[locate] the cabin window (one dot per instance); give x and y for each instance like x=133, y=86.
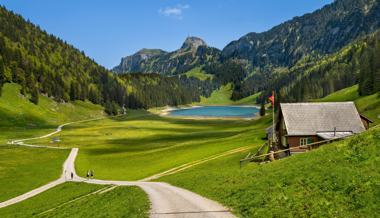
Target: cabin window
x=306, y=141
x=309, y=140
x=303, y=141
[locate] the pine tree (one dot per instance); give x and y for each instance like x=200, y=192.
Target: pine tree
x=73, y=92
x=365, y=80
x=108, y=108
x=1, y=74
x=376, y=68
x=34, y=95
x=262, y=109
x=115, y=108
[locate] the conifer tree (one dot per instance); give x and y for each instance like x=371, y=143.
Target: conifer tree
x=34, y=95
x=262, y=109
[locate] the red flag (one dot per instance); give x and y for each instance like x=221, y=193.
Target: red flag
x=271, y=98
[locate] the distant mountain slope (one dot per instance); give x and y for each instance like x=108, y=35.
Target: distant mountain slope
x=321, y=32
x=134, y=63
x=194, y=52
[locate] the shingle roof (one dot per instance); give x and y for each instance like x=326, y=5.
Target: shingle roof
x=310, y=118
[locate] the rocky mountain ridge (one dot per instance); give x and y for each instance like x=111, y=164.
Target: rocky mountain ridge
x=193, y=52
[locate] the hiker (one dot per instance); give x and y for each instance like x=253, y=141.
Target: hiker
x=87, y=174
x=91, y=173
x=72, y=175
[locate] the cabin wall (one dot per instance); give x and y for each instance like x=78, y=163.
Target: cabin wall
x=294, y=141
x=281, y=132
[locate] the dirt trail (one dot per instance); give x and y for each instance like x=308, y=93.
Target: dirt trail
x=166, y=200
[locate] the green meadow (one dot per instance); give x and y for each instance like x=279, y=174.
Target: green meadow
x=23, y=169
x=198, y=73
x=82, y=200
x=336, y=180
x=219, y=97
x=142, y=144
x=19, y=118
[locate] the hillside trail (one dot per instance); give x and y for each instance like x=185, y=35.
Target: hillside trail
x=167, y=201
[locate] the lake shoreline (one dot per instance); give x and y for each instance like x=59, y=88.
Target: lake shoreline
x=167, y=113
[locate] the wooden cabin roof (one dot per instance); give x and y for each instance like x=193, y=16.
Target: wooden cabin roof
x=311, y=118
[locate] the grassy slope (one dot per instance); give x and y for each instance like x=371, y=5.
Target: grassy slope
x=20, y=118
x=219, y=97
x=347, y=94
x=337, y=180
x=197, y=72
x=22, y=169
x=121, y=148
x=222, y=96
x=119, y=202
x=367, y=105
x=250, y=100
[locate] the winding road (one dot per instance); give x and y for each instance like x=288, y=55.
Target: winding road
x=167, y=201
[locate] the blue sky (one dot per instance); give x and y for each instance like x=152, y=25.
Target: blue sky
x=110, y=29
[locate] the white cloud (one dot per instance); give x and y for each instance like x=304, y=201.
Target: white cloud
x=175, y=12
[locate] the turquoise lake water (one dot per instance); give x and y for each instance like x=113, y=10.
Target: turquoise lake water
x=217, y=111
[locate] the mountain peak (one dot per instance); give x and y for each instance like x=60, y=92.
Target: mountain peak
x=193, y=42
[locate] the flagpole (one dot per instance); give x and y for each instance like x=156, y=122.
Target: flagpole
x=273, y=127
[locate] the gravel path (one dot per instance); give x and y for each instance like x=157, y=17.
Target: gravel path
x=167, y=201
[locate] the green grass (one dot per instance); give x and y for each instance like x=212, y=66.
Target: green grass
x=20, y=118
x=23, y=169
x=367, y=105
x=76, y=200
x=120, y=148
x=336, y=180
x=250, y=100
x=222, y=96
x=198, y=73
x=347, y=94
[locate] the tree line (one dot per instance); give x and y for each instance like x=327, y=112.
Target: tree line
x=154, y=90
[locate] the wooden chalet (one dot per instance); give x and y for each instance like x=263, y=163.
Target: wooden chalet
x=300, y=124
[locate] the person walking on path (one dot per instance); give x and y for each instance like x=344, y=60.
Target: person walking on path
x=72, y=175
x=88, y=174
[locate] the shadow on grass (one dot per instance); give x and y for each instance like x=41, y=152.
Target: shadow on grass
x=10, y=119
x=156, y=142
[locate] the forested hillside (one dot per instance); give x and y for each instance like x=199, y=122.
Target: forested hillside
x=316, y=77
x=154, y=90
x=43, y=63
x=357, y=63
x=40, y=62
x=312, y=78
